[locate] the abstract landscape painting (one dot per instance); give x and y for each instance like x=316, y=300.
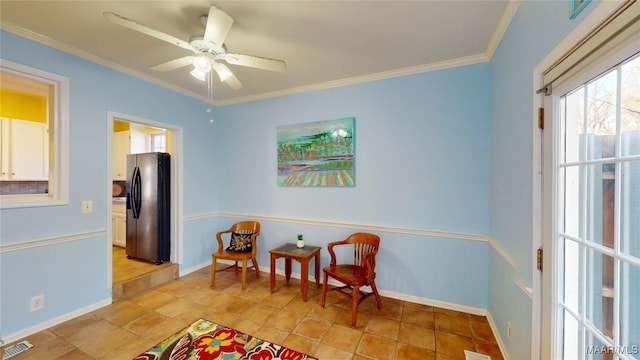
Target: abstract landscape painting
x=317, y=154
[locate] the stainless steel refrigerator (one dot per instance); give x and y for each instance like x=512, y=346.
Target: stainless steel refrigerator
x=149, y=207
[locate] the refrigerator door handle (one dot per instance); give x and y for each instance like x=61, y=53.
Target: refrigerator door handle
x=132, y=198
x=135, y=193
x=138, y=193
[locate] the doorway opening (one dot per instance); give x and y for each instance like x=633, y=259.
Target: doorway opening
x=133, y=135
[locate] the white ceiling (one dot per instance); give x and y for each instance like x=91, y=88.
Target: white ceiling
x=324, y=43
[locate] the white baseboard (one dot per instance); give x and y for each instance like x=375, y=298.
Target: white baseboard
x=390, y=294
x=56, y=321
x=190, y=270
x=404, y=297
x=496, y=334
x=435, y=303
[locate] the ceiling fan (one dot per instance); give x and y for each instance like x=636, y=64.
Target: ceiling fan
x=209, y=48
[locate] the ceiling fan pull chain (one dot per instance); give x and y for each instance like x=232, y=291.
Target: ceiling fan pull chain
x=210, y=93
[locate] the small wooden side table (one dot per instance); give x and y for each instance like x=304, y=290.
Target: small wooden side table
x=290, y=251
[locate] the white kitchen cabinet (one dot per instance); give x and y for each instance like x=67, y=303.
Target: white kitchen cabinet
x=24, y=150
x=119, y=223
x=132, y=141
x=121, y=148
x=138, y=142
x=5, y=168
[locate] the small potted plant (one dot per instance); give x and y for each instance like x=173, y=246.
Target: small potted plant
x=300, y=242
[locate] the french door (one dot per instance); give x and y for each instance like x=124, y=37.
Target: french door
x=594, y=178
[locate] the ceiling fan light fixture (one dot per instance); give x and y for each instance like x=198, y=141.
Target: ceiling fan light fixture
x=224, y=73
x=202, y=63
x=201, y=67
x=198, y=74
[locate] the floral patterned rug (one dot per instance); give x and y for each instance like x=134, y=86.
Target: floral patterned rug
x=207, y=340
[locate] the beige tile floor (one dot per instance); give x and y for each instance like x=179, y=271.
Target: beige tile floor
x=401, y=330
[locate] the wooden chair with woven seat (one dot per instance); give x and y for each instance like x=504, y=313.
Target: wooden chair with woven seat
x=242, y=248
x=354, y=276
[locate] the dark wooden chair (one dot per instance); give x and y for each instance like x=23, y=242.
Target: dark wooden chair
x=354, y=276
x=243, y=229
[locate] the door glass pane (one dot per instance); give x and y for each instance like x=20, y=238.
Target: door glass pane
x=599, y=291
x=600, y=194
x=571, y=335
x=571, y=275
x=595, y=349
x=573, y=206
x=608, y=204
x=630, y=208
x=572, y=108
x=630, y=108
x=601, y=116
x=630, y=309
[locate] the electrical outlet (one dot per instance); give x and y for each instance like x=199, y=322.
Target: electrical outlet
x=37, y=303
x=87, y=207
x=509, y=330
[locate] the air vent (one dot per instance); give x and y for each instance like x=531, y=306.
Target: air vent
x=470, y=355
x=15, y=349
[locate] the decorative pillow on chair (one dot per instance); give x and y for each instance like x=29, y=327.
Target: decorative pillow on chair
x=240, y=242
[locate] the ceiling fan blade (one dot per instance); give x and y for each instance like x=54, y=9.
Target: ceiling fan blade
x=256, y=62
x=133, y=25
x=218, y=26
x=234, y=82
x=226, y=75
x=174, y=64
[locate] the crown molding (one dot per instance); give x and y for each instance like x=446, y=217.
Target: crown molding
x=45, y=40
x=503, y=25
x=412, y=70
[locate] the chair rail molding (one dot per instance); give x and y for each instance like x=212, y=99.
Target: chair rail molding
x=29, y=244
x=337, y=224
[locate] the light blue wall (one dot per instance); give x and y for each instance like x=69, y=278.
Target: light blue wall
x=421, y=153
x=536, y=29
x=421, y=163
x=73, y=275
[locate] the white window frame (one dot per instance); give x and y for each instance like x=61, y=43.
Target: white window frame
x=59, y=143
x=153, y=135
